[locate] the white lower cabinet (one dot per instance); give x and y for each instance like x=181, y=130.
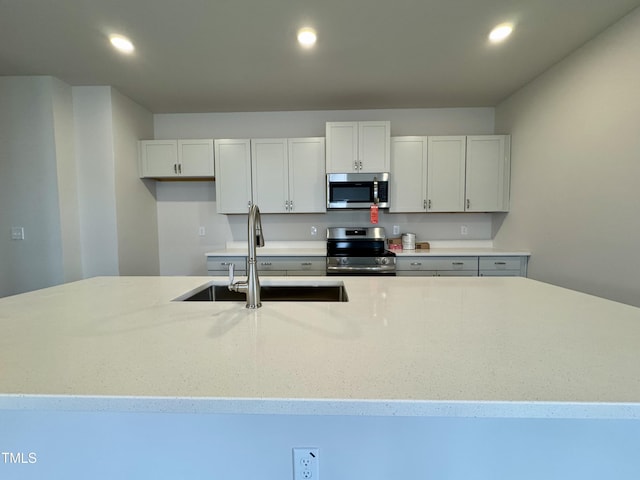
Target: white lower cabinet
x=299, y=265
x=510, y=266
x=437, y=266
x=268, y=265
x=484, y=266
x=219, y=266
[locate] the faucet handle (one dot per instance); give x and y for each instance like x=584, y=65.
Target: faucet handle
x=231, y=274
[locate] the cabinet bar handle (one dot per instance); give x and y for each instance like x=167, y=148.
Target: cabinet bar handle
x=499, y=263
x=429, y=205
x=175, y=168
x=457, y=263
x=468, y=203
x=265, y=263
x=416, y=264
x=306, y=264
x=179, y=168
x=360, y=164
x=355, y=165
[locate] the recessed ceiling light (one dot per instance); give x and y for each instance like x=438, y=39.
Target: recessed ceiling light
x=121, y=43
x=307, y=37
x=500, y=32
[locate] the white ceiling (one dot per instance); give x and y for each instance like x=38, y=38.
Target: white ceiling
x=241, y=55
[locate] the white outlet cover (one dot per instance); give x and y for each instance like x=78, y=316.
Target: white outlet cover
x=17, y=233
x=306, y=463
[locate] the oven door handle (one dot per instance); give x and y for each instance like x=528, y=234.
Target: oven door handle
x=376, y=198
x=376, y=268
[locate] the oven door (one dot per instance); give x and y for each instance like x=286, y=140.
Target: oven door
x=371, y=266
x=357, y=190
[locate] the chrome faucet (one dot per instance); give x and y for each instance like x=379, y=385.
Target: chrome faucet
x=251, y=287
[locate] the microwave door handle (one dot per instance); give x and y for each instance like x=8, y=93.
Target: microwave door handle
x=376, y=199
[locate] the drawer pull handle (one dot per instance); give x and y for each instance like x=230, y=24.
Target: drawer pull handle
x=457, y=263
x=226, y=264
x=306, y=264
x=266, y=264
x=499, y=263
x=416, y=264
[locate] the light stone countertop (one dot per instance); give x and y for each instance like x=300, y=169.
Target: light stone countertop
x=500, y=346
x=318, y=249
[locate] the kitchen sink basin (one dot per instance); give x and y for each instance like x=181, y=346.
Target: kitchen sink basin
x=274, y=293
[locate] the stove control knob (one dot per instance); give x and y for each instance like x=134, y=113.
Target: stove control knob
x=382, y=261
x=343, y=261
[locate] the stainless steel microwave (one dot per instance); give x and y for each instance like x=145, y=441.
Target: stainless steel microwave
x=357, y=190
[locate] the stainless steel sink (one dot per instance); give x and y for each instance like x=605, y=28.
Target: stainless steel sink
x=274, y=293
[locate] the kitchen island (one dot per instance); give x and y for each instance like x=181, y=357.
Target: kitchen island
x=415, y=348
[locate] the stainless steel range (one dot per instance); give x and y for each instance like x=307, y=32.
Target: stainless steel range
x=358, y=251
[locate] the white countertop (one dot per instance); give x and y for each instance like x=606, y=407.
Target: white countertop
x=319, y=249
x=400, y=346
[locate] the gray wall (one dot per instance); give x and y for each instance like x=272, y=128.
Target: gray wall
x=134, y=198
x=69, y=177
x=576, y=168
x=185, y=206
x=35, y=153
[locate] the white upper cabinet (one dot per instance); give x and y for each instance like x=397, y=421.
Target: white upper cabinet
x=270, y=174
x=176, y=158
x=488, y=173
x=450, y=174
x=358, y=147
x=195, y=158
x=445, y=174
x=307, y=175
x=408, y=177
x=288, y=175
x=279, y=175
x=233, y=179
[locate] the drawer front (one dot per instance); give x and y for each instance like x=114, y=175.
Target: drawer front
x=292, y=263
x=500, y=263
x=437, y=263
x=222, y=264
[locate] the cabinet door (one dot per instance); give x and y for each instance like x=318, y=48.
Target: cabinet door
x=374, y=147
x=158, y=158
x=488, y=173
x=233, y=175
x=195, y=158
x=269, y=173
x=408, y=174
x=342, y=147
x=307, y=179
x=445, y=174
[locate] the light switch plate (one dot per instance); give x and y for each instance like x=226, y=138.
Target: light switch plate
x=17, y=233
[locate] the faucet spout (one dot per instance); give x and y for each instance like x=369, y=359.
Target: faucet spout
x=251, y=287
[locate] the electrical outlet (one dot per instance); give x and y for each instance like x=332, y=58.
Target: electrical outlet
x=314, y=231
x=17, y=233
x=464, y=230
x=202, y=231
x=306, y=463
x=396, y=229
